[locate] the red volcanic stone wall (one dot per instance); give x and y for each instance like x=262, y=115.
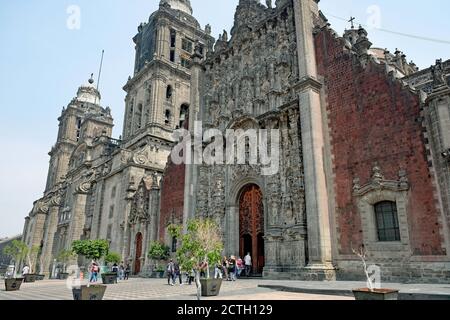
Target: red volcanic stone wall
x=172, y=196
x=373, y=121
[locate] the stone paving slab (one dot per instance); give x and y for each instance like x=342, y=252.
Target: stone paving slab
x=344, y=288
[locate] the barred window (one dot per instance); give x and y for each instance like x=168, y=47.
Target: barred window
x=387, y=221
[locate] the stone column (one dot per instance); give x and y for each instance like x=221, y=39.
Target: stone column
x=47, y=250
x=154, y=213
x=308, y=88
x=127, y=246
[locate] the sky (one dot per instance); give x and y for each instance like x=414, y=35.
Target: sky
x=48, y=48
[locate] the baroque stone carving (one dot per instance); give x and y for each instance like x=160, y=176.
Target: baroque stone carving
x=378, y=182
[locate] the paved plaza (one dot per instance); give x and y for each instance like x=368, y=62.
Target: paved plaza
x=157, y=289
x=258, y=289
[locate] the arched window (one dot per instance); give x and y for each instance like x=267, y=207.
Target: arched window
x=169, y=92
x=174, y=244
x=167, y=116
x=388, y=229
x=184, y=112
x=139, y=116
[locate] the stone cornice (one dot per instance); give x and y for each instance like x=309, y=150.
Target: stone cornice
x=307, y=83
x=154, y=64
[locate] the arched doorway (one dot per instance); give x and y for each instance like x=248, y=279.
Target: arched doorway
x=251, y=226
x=137, y=260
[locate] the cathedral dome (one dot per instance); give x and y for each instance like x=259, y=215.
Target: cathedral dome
x=182, y=5
x=88, y=92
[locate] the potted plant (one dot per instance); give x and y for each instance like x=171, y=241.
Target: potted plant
x=111, y=277
x=64, y=257
x=92, y=250
x=158, y=252
x=16, y=252
x=202, y=243
x=371, y=293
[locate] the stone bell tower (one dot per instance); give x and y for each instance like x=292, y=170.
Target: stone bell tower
x=158, y=94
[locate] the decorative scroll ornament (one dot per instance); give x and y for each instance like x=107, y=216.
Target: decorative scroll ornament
x=86, y=185
x=378, y=182
x=42, y=207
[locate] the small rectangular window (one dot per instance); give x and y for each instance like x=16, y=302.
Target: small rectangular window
x=172, y=55
x=113, y=192
x=186, y=45
x=111, y=212
x=185, y=63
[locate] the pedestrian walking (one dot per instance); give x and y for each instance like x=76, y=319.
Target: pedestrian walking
x=127, y=271
x=177, y=273
x=121, y=271
x=94, y=269
x=170, y=273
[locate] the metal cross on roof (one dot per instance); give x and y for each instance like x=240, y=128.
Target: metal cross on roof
x=352, y=19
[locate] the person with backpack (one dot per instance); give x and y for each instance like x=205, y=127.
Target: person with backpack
x=94, y=269
x=115, y=269
x=177, y=274
x=170, y=273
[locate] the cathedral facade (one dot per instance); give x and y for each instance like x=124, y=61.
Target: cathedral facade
x=364, y=149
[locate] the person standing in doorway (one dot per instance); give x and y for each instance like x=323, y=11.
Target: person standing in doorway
x=248, y=264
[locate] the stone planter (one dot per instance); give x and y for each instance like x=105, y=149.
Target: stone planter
x=40, y=277
x=210, y=287
x=63, y=276
x=13, y=284
x=376, y=294
x=109, y=278
x=89, y=293
x=28, y=278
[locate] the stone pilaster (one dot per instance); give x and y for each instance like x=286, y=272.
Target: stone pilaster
x=48, y=240
x=78, y=217
x=319, y=236
x=191, y=176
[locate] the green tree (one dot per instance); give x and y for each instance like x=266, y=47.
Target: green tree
x=91, y=249
x=19, y=251
x=113, y=257
x=202, y=243
x=158, y=252
x=64, y=257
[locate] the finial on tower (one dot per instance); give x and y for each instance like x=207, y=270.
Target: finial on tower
x=91, y=80
x=352, y=19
